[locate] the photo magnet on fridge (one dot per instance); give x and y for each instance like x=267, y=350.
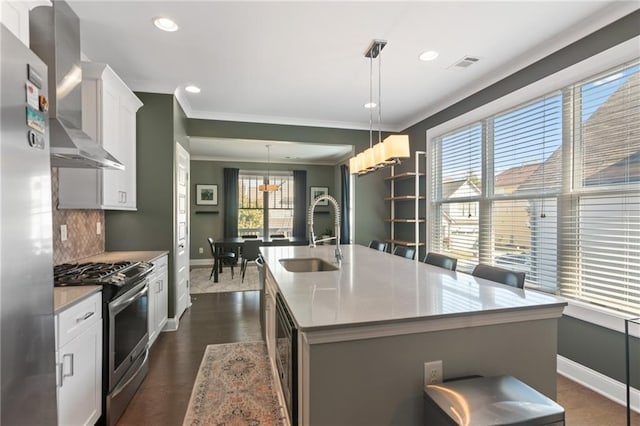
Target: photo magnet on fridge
x=32, y=95
x=35, y=120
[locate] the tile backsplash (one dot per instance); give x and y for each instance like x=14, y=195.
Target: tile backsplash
x=82, y=238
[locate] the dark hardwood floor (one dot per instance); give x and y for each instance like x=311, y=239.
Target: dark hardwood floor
x=233, y=317
x=175, y=357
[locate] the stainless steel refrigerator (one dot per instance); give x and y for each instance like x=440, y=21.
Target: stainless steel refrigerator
x=27, y=352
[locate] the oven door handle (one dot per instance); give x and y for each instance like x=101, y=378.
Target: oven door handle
x=125, y=302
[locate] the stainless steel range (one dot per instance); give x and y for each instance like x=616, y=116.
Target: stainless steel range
x=125, y=330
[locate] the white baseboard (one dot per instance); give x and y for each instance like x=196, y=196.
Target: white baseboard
x=201, y=262
x=598, y=382
x=171, y=325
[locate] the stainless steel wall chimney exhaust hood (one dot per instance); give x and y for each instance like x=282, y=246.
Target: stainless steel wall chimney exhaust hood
x=55, y=37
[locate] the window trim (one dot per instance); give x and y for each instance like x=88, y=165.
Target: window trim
x=583, y=70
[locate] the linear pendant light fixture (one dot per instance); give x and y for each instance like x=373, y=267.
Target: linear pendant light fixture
x=394, y=147
x=268, y=187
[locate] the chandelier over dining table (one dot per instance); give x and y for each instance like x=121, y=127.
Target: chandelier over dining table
x=268, y=186
x=385, y=152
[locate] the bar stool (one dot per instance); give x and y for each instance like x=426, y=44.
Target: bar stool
x=441, y=260
x=378, y=245
x=403, y=251
x=500, y=275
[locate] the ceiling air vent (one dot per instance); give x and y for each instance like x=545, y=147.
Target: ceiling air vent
x=465, y=62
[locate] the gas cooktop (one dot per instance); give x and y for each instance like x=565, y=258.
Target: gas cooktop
x=98, y=273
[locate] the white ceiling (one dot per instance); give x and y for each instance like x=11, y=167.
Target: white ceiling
x=302, y=62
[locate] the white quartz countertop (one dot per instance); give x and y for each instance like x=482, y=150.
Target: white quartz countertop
x=375, y=287
x=65, y=297
x=120, y=256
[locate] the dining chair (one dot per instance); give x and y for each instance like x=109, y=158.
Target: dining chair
x=277, y=236
x=225, y=257
x=500, y=275
x=250, y=252
x=403, y=251
x=378, y=245
x=441, y=260
x=280, y=242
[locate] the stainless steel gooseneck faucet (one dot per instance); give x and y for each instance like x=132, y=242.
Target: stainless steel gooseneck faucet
x=312, y=237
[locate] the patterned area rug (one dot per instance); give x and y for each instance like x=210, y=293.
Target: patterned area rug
x=200, y=282
x=234, y=387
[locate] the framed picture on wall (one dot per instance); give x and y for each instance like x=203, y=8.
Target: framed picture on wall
x=317, y=191
x=206, y=195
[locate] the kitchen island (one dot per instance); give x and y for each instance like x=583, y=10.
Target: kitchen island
x=366, y=330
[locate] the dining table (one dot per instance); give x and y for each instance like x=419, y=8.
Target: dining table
x=235, y=244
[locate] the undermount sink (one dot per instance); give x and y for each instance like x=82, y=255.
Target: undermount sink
x=311, y=264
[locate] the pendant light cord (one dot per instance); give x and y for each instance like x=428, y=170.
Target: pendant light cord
x=371, y=101
x=379, y=92
x=268, y=164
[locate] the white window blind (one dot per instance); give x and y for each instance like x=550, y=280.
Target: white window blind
x=527, y=148
x=525, y=239
x=603, y=223
x=527, y=176
x=456, y=174
x=459, y=165
x=605, y=267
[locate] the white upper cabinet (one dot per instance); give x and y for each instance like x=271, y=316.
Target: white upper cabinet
x=15, y=16
x=109, y=116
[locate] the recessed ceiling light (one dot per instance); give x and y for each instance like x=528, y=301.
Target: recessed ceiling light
x=165, y=24
x=370, y=105
x=192, y=89
x=429, y=55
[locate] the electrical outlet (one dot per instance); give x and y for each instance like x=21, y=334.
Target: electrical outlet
x=432, y=372
x=63, y=232
x=98, y=228
x=200, y=250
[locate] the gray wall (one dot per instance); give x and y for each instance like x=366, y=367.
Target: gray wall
x=371, y=382
x=598, y=348
x=206, y=224
x=151, y=226
x=578, y=341
x=369, y=190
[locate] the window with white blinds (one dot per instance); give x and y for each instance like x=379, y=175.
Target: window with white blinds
x=527, y=146
x=603, y=220
x=261, y=213
x=456, y=173
x=557, y=194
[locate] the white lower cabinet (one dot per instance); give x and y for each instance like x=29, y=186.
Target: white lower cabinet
x=158, y=298
x=79, y=362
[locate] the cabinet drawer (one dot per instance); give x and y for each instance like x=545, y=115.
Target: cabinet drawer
x=160, y=264
x=73, y=321
x=159, y=268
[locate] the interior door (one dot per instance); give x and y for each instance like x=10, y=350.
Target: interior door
x=181, y=237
